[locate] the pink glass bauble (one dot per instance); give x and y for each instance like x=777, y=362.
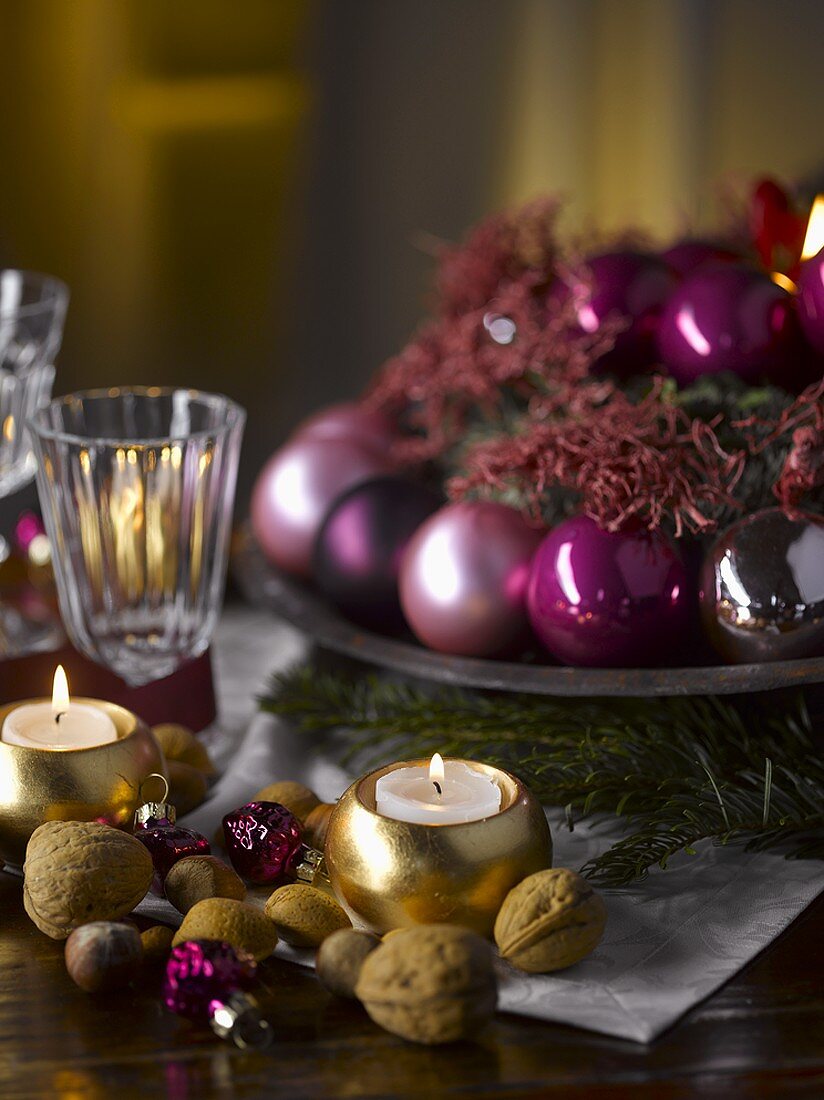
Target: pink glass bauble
x=608, y=599
x=728, y=317
x=632, y=286
x=811, y=300
x=349, y=420
x=463, y=579
x=263, y=840
x=688, y=255
x=167, y=843
x=202, y=974
x=295, y=489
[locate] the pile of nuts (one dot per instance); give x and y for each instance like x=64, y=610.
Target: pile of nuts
x=426, y=983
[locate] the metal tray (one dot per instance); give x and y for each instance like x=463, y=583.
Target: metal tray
x=261, y=583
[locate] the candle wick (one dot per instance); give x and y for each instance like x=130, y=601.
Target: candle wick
x=60, y=714
x=437, y=787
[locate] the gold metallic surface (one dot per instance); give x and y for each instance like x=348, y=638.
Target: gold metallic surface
x=100, y=783
x=391, y=874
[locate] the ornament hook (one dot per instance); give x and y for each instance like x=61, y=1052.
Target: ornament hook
x=155, y=775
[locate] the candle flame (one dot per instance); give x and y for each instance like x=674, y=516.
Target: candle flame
x=60, y=692
x=814, y=240
x=436, y=772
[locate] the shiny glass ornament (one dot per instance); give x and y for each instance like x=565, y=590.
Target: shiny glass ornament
x=728, y=317
x=167, y=842
x=263, y=841
x=762, y=588
x=463, y=579
x=360, y=546
x=295, y=489
x=811, y=300
x=688, y=255
x=608, y=599
x=349, y=420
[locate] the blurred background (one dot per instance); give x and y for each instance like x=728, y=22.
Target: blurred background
x=239, y=193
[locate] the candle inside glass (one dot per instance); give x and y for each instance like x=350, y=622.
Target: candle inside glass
x=60, y=724
x=447, y=792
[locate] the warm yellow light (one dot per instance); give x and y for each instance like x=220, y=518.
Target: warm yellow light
x=784, y=281
x=60, y=692
x=814, y=239
x=436, y=772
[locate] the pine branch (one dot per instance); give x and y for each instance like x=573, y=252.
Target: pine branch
x=678, y=770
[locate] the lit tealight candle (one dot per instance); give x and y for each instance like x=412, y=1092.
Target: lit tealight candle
x=445, y=793
x=59, y=724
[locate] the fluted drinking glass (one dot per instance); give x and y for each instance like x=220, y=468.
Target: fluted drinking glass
x=137, y=487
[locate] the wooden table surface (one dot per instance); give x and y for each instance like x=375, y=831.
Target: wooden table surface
x=762, y=1035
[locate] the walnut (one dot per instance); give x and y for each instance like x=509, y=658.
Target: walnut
x=340, y=958
x=304, y=916
x=80, y=871
x=197, y=877
x=298, y=799
x=234, y=922
x=432, y=983
x=103, y=955
x=549, y=921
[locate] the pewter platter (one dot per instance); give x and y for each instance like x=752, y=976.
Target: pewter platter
x=262, y=584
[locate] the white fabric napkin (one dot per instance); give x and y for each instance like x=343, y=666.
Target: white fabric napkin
x=670, y=941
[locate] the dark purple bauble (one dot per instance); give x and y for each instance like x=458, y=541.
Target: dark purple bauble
x=295, y=488
x=203, y=973
x=463, y=579
x=349, y=420
x=608, y=599
x=359, y=548
x=263, y=840
x=688, y=255
x=629, y=285
x=811, y=300
x=167, y=843
x=728, y=317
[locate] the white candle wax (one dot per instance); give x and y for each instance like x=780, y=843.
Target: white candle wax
x=59, y=724
x=411, y=794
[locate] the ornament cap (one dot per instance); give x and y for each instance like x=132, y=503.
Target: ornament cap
x=238, y=1019
x=312, y=870
x=155, y=811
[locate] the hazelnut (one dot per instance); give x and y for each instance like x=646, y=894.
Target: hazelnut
x=298, y=799
x=317, y=823
x=549, y=921
x=340, y=958
x=197, y=877
x=103, y=955
x=157, y=941
x=232, y=921
x=304, y=916
x=187, y=786
x=180, y=744
x=432, y=983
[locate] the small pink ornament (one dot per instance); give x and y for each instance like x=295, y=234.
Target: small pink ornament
x=351, y=421
x=295, y=489
x=263, y=840
x=155, y=828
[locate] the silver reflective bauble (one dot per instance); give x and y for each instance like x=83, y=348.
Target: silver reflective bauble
x=762, y=588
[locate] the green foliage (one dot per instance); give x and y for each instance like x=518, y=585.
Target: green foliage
x=677, y=770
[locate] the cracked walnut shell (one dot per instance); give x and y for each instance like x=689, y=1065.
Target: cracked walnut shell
x=549, y=921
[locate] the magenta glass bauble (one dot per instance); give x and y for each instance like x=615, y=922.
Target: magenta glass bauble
x=349, y=420
x=263, y=841
x=728, y=317
x=811, y=300
x=295, y=488
x=360, y=545
x=201, y=974
x=629, y=285
x=688, y=255
x=167, y=843
x=608, y=599
x=463, y=579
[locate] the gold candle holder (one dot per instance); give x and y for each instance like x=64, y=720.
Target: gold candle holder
x=98, y=783
x=392, y=874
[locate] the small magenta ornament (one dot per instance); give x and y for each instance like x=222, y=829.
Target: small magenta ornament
x=264, y=841
x=167, y=842
x=207, y=981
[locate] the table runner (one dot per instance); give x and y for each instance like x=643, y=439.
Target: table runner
x=670, y=941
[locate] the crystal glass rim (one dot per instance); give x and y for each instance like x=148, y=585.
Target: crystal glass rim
x=235, y=415
x=56, y=291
